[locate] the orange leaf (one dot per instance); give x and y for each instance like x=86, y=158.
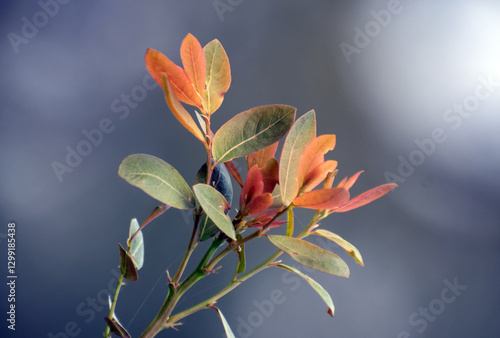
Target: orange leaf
x=193, y=60
x=157, y=63
x=261, y=157
x=179, y=111
x=259, y=204
x=318, y=175
x=319, y=146
x=322, y=199
x=366, y=197
x=231, y=167
x=348, y=183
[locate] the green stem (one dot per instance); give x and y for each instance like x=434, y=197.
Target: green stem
x=175, y=293
x=192, y=245
x=113, y=303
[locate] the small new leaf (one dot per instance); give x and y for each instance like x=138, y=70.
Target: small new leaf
x=127, y=265
x=136, y=247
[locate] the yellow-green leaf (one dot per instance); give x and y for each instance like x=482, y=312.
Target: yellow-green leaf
x=214, y=205
x=251, y=131
x=158, y=179
x=351, y=249
x=227, y=328
x=315, y=285
x=301, y=134
x=311, y=255
x=218, y=75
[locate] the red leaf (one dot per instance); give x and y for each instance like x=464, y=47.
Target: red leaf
x=157, y=63
x=258, y=204
x=231, y=167
x=270, y=175
x=322, y=199
x=366, y=197
x=193, y=60
x=253, y=186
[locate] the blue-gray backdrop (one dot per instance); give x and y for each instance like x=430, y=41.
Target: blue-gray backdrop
x=410, y=88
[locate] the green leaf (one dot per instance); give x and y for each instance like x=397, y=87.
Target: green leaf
x=251, y=131
x=218, y=75
x=127, y=266
x=158, y=179
x=289, y=225
x=301, y=134
x=351, y=249
x=311, y=255
x=241, y=256
x=227, y=329
x=221, y=181
x=315, y=285
x=136, y=248
x=214, y=204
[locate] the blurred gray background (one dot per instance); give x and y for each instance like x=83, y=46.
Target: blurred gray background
x=410, y=88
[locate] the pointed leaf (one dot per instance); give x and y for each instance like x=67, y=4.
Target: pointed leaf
x=227, y=329
x=258, y=205
x=270, y=175
x=241, y=256
x=231, y=167
x=319, y=146
x=158, y=179
x=179, y=111
x=351, y=249
x=221, y=181
x=290, y=223
x=136, y=248
x=350, y=182
x=183, y=89
x=301, y=134
x=311, y=255
x=201, y=121
x=193, y=61
x=318, y=175
x=214, y=204
x=116, y=327
x=315, y=285
x=252, y=130
x=218, y=75
x=366, y=197
x=127, y=266
x=261, y=157
x=322, y=199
